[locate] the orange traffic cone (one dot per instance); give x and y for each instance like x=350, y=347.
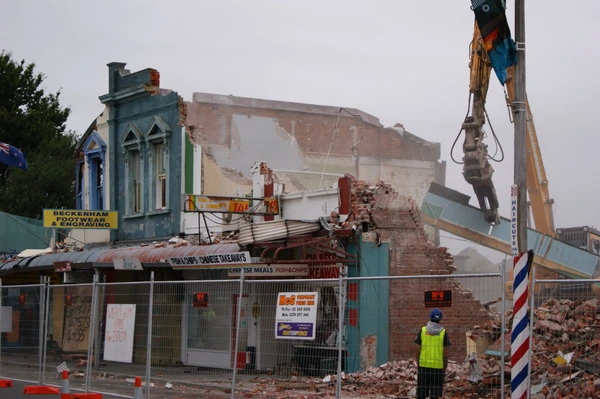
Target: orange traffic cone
x=137, y=388
x=65, y=390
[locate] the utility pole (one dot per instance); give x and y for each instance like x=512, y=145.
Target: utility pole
x=520, y=114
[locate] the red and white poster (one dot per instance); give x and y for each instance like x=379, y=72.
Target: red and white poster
x=118, y=340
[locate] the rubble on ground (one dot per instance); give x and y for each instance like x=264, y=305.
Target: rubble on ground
x=565, y=364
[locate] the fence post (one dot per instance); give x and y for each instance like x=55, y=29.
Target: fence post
x=1, y=326
x=339, y=336
x=503, y=326
x=92, y=334
x=4, y=383
x=41, y=330
x=531, y=314
x=99, y=323
x=237, y=332
x=46, y=289
x=149, y=334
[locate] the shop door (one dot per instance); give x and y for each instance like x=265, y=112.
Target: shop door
x=209, y=332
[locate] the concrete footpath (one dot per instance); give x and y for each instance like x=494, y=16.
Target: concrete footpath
x=185, y=382
x=118, y=378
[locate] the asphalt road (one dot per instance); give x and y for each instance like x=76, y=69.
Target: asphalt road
x=16, y=392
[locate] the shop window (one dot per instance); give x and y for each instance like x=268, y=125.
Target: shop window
x=209, y=328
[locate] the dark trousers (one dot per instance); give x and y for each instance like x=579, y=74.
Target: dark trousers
x=430, y=383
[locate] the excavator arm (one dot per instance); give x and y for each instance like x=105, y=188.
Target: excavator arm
x=537, y=184
x=477, y=170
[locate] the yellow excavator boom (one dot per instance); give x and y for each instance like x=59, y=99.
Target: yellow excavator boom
x=476, y=168
x=541, y=204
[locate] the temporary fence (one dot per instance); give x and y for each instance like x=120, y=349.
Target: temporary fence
x=344, y=337
x=565, y=331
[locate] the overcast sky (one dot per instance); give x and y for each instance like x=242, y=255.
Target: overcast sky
x=401, y=61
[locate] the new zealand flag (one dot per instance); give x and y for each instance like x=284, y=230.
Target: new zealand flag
x=12, y=156
x=491, y=19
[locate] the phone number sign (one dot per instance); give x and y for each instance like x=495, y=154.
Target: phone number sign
x=438, y=298
x=296, y=315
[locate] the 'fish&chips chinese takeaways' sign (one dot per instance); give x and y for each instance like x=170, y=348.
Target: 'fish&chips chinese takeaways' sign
x=212, y=261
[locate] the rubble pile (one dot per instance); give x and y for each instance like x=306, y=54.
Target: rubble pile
x=565, y=353
x=397, y=379
x=565, y=364
x=565, y=359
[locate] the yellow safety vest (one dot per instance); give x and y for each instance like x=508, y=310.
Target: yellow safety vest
x=432, y=349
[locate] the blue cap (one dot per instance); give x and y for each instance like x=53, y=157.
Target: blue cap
x=435, y=315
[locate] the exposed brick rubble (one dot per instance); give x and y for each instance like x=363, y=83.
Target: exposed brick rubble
x=567, y=327
x=561, y=326
x=396, y=220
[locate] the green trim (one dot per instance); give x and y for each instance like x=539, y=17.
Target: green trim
x=189, y=166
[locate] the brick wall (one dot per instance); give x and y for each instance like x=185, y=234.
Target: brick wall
x=397, y=221
x=313, y=131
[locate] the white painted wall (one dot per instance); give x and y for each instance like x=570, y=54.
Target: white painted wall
x=309, y=205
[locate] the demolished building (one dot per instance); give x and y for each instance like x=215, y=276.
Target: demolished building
x=150, y=153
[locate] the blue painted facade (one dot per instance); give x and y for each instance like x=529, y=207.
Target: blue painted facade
x=370, y=303
x=144, y=154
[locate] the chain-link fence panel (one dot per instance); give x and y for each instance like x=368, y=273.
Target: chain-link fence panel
x=21, y=322
x=233, y=337
x=392, y=322
x=68, y=322
x=193, y=335
x=565, y=331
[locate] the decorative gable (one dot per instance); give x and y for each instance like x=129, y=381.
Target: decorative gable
x=94, y=143
x=158, y=130
x=133, y=137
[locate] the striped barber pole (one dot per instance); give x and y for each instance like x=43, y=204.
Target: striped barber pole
x=520, y=351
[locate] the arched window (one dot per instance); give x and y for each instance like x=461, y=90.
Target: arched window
x=94, y=151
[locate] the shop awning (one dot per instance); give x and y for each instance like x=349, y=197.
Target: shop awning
x=161, y=255
x=103, y=257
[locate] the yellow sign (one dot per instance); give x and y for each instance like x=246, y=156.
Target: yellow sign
x=198, y=203
x=80, y=219
x=201, y=203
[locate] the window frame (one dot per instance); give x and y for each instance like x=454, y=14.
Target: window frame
x=133, y=145
x=88, y=194
x=157, y=136
x=79, y=184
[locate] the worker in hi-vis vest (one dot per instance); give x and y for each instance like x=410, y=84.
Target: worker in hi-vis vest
x=432, y=357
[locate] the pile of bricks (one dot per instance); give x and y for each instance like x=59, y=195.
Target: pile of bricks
x=565, y=364
x=565, y=359
x=566, y=343
x=362, y=200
